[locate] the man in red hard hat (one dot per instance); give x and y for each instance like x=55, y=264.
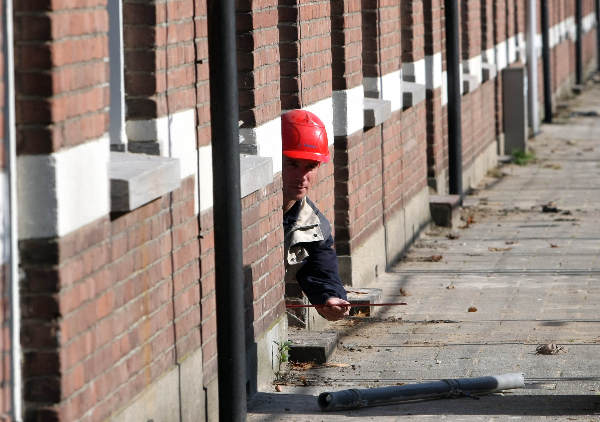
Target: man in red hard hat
x=309, y=255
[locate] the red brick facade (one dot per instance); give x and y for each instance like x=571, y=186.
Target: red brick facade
x=112, y=306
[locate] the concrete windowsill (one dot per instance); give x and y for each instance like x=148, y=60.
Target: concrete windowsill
x=136, y=179
x=376, y=111
x=412, y=94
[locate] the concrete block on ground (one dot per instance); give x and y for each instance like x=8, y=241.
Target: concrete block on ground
x=376, y=111
x=136, y=179
x=412, y=94
x=312, y=346
x=357, y=295
x=444, y=210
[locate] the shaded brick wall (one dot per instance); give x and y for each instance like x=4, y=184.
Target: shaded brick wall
x=413, y=30
x=258, y=61
x=263, y=258
x=62, y=95
x=381, y=31
x=346, y=44
x=159, y=57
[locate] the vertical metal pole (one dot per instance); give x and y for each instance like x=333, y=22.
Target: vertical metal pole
x=579, y=43
x=227, y=210
x=532, y=66
x=454, y=98
x=10, y=142
x=597, y=35
x=546, y=63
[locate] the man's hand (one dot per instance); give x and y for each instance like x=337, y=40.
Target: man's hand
x=336, y=309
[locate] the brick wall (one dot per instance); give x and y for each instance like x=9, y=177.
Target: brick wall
x=67, y=106
x=258, y=62
x=108, y=309
x=413, y=30
x=159, y=57
x=346, y=44
x=381, y=31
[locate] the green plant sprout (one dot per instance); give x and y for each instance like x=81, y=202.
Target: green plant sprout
x=283, y=349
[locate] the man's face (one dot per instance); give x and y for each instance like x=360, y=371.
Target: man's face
x=298, y=176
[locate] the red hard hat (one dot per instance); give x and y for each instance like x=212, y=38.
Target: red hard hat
x=304, y=136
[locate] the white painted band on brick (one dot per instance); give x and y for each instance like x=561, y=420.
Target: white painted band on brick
x=521, y=47
x=63, y=191
x=175, y=134
x=572, y=28
x=589, y=22
x=267, y=138
x=473, y=67
x=414, y=72
x=502, y=55
x=489, y=56
x=434, y=74
x=324, y=109
x=444, y=88
x=388, y=87
x=205, y=178
x=512, y=49
x=348, y=111
x=4, y=219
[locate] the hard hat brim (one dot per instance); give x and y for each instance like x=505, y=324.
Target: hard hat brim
x=305, y=155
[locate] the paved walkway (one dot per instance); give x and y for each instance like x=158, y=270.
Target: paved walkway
x=482, y=297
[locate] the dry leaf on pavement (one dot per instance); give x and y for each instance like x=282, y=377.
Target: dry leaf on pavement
x=549, y=349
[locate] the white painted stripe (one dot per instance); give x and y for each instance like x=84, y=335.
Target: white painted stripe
x=324, y=109
x=267, y=138
x=388, y=87
x=63, y=191
x=473, y=67
x=521, y=47
x=433, y=66
x=502, y=55
x=414, y=72
x=444, y=88
x=348, y=111
x=512, y=49
x=489, y=56
x=175, y=135
x=205, y=176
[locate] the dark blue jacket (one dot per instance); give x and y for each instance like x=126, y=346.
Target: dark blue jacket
x=309, y=252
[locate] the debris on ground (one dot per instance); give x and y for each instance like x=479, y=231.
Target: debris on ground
x=453, y=236
x=549, y=349
x=403, y=292
x=550, y=207
x=472, y=309
x=553, y=245
x=552, y=166
x=499, y=249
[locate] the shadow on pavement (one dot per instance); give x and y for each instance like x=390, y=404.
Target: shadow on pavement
x=517, y=405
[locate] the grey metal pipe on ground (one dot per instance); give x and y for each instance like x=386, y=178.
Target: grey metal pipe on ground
x=448, y=388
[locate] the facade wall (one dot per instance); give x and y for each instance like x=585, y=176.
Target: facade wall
x=117, y=304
